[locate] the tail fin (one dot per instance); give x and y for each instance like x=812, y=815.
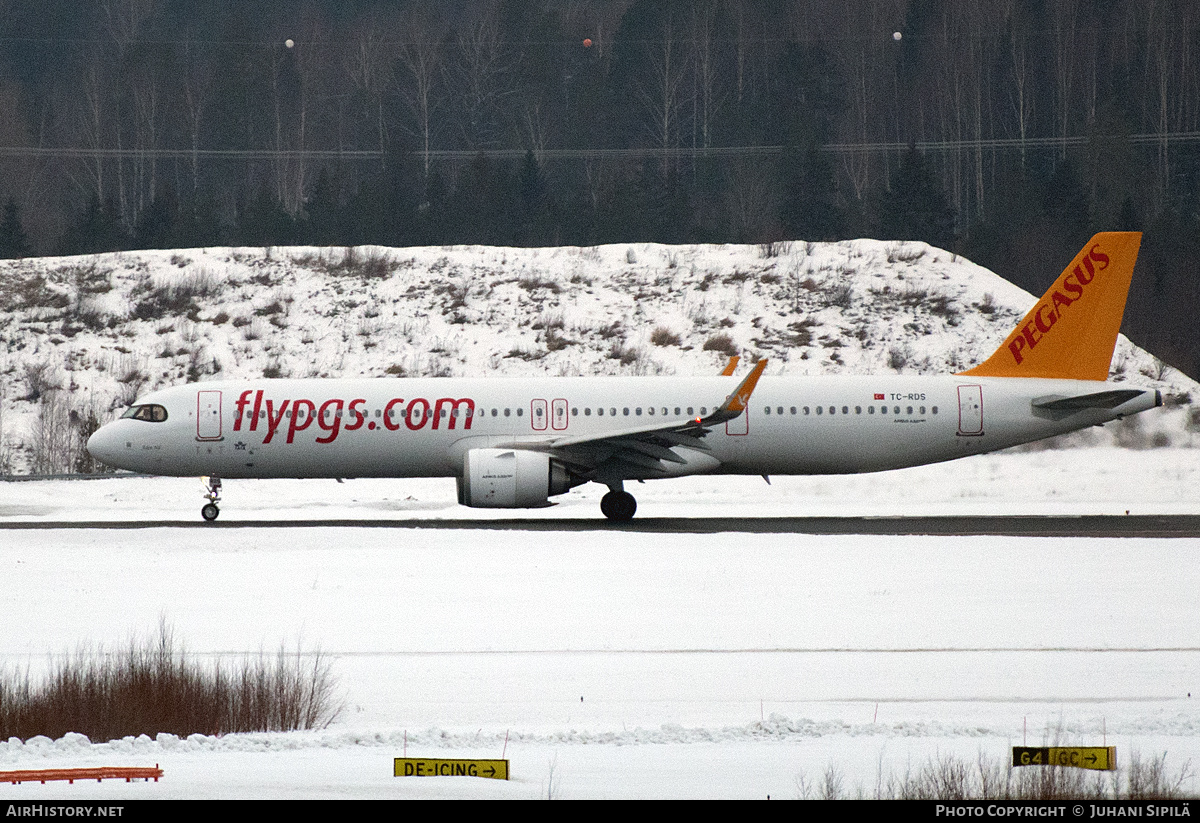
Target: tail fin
x=1072, y=331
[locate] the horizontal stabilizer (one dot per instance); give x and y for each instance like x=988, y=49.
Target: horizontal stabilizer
x=1098, y=400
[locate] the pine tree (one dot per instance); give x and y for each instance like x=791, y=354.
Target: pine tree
x=13, y=242
x=97, y=230
x=914, y=206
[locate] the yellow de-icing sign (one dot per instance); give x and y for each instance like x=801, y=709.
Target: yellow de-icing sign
x=1102, y=758
x=433, y=767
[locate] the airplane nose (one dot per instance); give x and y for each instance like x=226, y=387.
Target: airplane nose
x=102, y=445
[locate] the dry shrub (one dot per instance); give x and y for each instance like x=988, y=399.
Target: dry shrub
x=154, y=686
x=662, y=336
x=722, y=344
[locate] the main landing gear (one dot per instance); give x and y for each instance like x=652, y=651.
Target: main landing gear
x=618, y=504
x=213, y=495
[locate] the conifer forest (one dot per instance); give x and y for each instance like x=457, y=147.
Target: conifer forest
x=1008, y=131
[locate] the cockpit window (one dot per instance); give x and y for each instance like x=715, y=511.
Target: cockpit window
x=151, y=412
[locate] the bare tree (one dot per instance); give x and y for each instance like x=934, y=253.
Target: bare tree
x=479, y=75
x=53, y=441
x=366, y=67
x=197, y=80
x=704, y=44
x=660, y=92
x=419, y=53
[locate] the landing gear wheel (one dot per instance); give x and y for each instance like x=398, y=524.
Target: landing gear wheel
x=618, y=506
x=212, y=494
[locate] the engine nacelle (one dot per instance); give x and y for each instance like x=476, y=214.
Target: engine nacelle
x=511, y=479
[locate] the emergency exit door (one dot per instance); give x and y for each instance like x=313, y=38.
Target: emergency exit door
x=208, y=415
x=970, y=411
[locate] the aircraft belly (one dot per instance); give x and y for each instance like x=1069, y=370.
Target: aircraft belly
x=351, y=456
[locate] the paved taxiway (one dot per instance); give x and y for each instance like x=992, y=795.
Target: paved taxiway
x=1015, y=526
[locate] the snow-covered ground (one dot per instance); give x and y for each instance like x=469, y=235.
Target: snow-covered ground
x=97, y=331
x=602, y=663
x=619, y=664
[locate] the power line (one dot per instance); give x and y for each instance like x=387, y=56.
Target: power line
x=369, y=155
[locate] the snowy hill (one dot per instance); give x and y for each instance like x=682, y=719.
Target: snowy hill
x=84, y=336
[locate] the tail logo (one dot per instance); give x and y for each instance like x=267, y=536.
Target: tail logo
x=1051, y=307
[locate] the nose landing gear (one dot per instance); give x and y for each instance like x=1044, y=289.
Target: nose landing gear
x=213, y=495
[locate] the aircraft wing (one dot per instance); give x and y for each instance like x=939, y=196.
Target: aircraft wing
x=646, y=450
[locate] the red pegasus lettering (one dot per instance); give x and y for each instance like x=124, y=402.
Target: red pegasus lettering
x=421, y=418
x=1042, y=325
x=295, y=425
x=273, y=420
x=454, y=404
x=1028, y=331
x=1015, y=347
x=388, y=414
x=257, y=408
x=242, y=402
x=1061, y=301
x=359, y=417
x=1072, y=287
x=331, y=411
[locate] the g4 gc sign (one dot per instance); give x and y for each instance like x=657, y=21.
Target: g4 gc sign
x=1102, y=758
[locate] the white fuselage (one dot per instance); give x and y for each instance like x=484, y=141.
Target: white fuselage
x=421, y=427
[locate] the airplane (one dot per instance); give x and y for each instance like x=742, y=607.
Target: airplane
x=518, y=442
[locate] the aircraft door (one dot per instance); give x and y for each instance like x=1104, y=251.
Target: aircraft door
x=559, y=414
x=970, y=411
x=537, y=415
x=208, y=415
x=739, y=424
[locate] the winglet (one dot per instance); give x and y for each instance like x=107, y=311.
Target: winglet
x=728, y=370
x=1072, y=330
x=736, y=402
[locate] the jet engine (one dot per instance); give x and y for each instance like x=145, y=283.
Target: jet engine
x=511, y=479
